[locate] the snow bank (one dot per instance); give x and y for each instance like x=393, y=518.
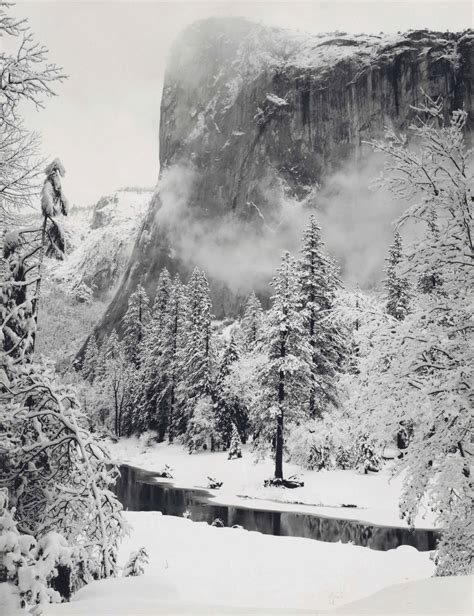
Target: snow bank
x=196, y=568
x=451, y=596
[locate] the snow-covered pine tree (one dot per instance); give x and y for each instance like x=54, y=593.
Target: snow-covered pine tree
x=285, y=377
x=230, y=412
x=172, y=358
x=89, y=364
x=195, y=354
x=396, y=284
x=136, y=563
x=152, y=402
x=162, y=298
x=252, y=322
x=368, y=458
x=134, y=324
x=235, y=447
x=319, y=282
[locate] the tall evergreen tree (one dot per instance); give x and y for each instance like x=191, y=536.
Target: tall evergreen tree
x=195, y=354
x=135, y=321
x=162, y=298
x=151, y=401
x=319, y=281
x=396, y=285
x=252, y=321
x=235, y=450
x=89, y=364
x=286, y=375
x=230, y=412
x=173, y=355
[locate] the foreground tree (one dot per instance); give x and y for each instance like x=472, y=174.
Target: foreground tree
x=57, y=476
x=27, y=76
x=285, y=377
x=426, y=380
x=135, y=322
x=29, y=568
x=23, y=251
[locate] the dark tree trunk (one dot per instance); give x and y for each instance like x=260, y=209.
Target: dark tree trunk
x=119, y=420
x=116, y=413
x=171, y=417
x=279, y=431
x=279, y=448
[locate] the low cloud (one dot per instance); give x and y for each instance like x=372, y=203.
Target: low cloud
x=357, y=220
x=356, y=225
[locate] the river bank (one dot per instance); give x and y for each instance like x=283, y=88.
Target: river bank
x=371, y=498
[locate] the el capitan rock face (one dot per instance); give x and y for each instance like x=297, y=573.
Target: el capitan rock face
x=249, y=111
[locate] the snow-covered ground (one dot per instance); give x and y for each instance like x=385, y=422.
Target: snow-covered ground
x=447, y=596
x=375, y=495
x=195, y=568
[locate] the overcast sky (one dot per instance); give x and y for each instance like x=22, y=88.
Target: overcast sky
x=104, y=122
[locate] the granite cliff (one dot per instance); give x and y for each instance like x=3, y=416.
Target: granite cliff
x=252, y=119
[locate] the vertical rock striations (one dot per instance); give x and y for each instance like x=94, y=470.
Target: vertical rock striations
x=250, y=114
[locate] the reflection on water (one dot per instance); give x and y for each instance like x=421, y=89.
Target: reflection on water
x=138, y=491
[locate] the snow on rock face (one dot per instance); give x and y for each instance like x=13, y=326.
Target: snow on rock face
x=254, y=114
x=102, y=244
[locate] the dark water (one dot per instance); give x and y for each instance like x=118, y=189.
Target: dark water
x=137, y=490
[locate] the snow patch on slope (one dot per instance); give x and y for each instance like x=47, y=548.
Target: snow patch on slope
x=102, y=240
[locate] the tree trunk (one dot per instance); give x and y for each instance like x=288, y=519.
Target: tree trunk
x=279, y=447
x=116, y=413
x=119, y=420
x=279, y=431
x=171, y=418
x=36, y=298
